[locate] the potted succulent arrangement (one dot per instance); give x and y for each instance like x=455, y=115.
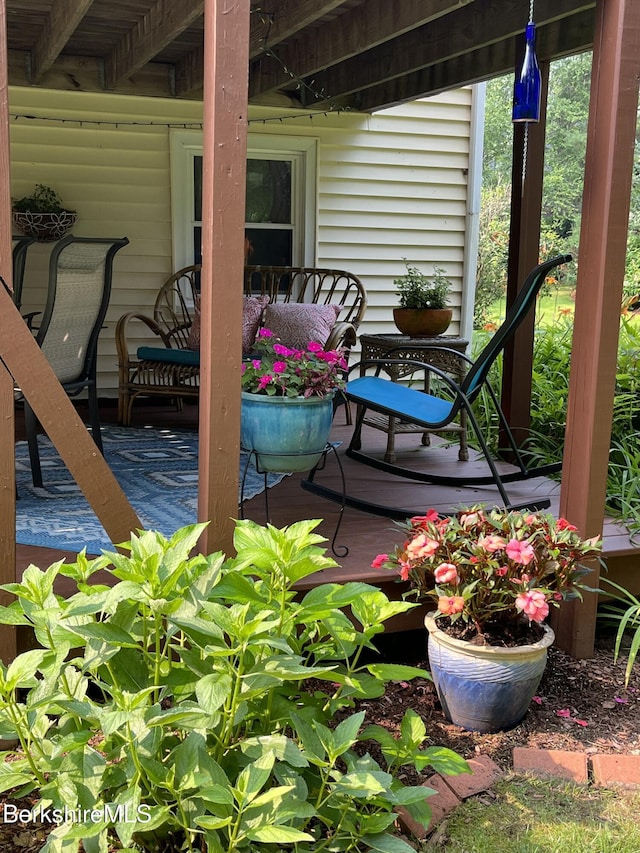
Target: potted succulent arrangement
x=287, y=402
x=423, y=303
x=42, y=214
x=493, y=574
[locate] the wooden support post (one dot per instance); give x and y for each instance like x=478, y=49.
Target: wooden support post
x=524, y=250
x=224, y=180
x=7, y=432
x=603, y=237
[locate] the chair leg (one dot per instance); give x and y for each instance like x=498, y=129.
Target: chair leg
x=94, y=417
x=31, y=429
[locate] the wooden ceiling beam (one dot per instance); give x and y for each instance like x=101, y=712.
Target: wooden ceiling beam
x=291, y=17
x=189, y=74
x=470, y=29
x=163, y=23
x=492, y=61
x=363, y=27
x=63, y=19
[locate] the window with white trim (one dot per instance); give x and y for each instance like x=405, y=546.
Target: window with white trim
x=280, y=198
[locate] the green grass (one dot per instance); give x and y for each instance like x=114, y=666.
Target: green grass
x=553, y=302
x=542, y=816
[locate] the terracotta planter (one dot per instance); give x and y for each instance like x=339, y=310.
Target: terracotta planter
x=422, y=322
x=484, y=688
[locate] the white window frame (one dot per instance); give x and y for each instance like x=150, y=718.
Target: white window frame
x=301, y=151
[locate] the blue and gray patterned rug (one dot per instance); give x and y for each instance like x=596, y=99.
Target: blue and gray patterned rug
x=157, y=469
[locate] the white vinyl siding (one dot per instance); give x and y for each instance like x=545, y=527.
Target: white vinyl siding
x=389, y=186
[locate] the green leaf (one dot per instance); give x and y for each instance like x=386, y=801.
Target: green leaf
x=397, y=672
x=13, y=615
x=211, y=822
x=412, y=729
x=212, y=691
x=363, y=784
x=444, y=761
x=24, y=667
x=345, y=734
x=253, y=777
x=386, y=843
x=105, y=632
x=278, y=835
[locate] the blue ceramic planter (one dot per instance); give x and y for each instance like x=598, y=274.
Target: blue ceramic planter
x=485, y=688
x=287, y=433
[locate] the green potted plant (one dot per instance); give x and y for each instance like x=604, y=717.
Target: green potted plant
x=493, y=575
x=287, y=402
x=42, y=214
x=423, y=307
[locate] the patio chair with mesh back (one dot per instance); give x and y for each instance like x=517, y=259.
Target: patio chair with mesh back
x=19, y=256
x=434, y=409
x=80, y=273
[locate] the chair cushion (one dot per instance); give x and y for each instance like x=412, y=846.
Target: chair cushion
x=169, y=356
x=252, y=308
x=296, y=324
x=400, y=401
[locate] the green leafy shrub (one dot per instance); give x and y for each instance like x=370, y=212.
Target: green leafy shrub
x=42, y=200
x=550, y=392
x=174, y=710
x=417, y=290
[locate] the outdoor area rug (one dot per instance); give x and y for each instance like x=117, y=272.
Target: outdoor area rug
x=157, y=470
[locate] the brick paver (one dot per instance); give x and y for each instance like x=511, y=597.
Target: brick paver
x=442, y=803
x=551, y=762
x=616, y=770
x=484, y=773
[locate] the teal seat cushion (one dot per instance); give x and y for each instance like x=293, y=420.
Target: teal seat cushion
x=188, y=357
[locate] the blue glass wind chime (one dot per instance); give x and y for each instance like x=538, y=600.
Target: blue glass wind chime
x=527, y=87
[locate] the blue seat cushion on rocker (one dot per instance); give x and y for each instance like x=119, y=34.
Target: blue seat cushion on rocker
x=188, y=357
x=399, y=401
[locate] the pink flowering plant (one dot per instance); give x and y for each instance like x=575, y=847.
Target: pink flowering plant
x=279, y=371
x=491, y=571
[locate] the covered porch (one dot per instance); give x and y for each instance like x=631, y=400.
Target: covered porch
x=364, y=534
x=401, y=57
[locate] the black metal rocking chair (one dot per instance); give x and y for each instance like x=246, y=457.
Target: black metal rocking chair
x=434, y=412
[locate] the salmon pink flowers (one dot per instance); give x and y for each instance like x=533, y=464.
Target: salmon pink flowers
x=491, y=569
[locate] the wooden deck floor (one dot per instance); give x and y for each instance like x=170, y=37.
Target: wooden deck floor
x=364, y=535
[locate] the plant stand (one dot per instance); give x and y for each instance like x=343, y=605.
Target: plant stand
x=329, y=448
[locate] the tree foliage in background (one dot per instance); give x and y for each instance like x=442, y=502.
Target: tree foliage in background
x=567, y=116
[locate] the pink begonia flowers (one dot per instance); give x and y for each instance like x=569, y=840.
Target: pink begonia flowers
x=491, y=570
x=534, y=604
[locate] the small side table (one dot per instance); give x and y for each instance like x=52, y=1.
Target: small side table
x=422, y=349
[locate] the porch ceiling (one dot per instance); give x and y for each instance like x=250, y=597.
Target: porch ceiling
x=362, y=54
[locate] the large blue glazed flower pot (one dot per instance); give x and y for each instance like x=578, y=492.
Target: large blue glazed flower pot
x=484, y=688
x=287, y=433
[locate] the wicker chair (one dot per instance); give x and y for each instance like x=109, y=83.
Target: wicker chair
x=170, y=370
